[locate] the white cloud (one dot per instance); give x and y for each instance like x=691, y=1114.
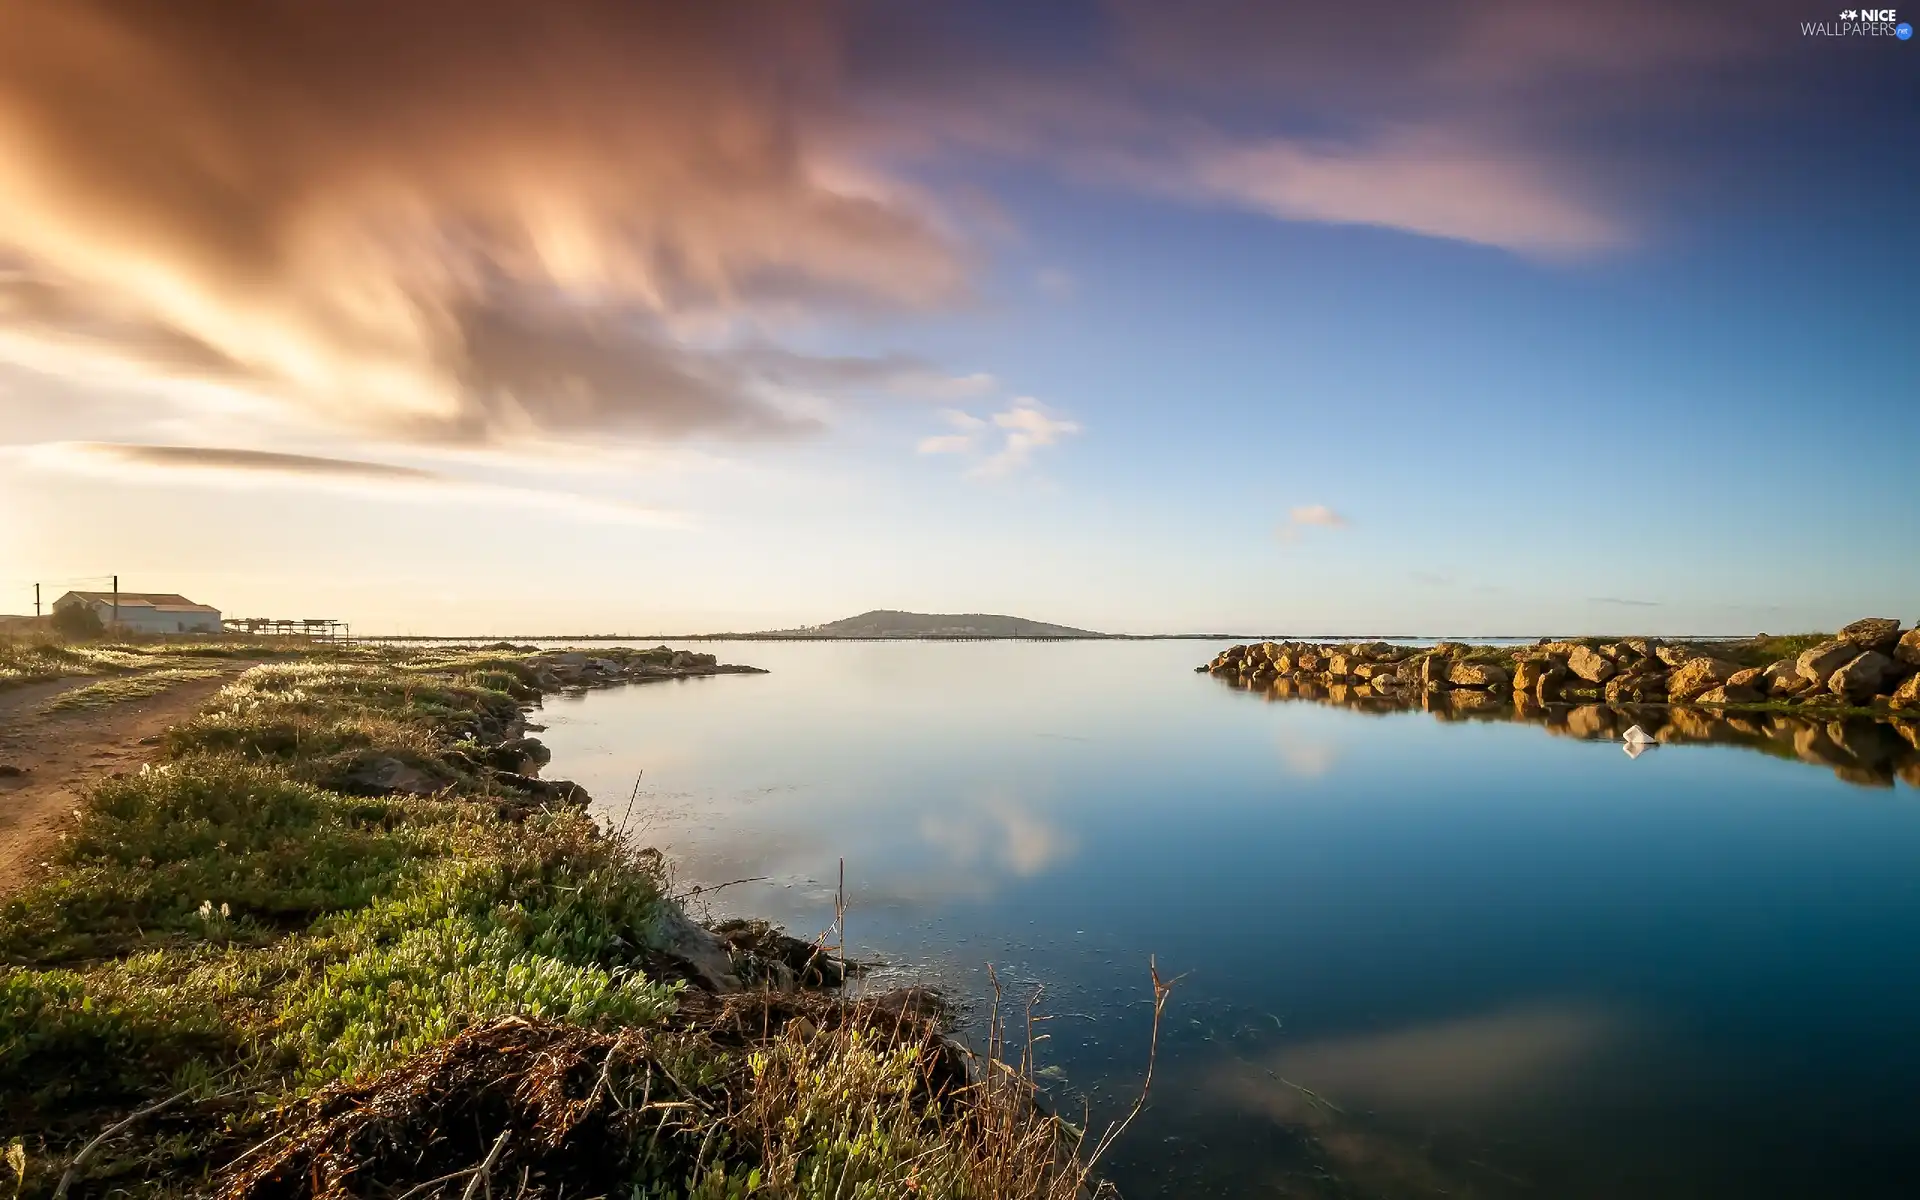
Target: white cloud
x=1028, y=429
x=1310, y=515
x=946, y=443
x=1024, y=428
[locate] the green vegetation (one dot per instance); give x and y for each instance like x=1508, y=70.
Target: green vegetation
x=291, y=989
x=135, y=687
x=78, y=621
x=1769, y=648
x=40, y=659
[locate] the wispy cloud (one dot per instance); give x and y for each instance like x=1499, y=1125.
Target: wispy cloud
x=230, y=467
x=1617, y=600
x=1008, y=440
x=1310, y=516
x=1419, y=183
x=215, y=458
x=1027, y=430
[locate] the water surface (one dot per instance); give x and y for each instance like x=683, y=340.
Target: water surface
x=1418, y=957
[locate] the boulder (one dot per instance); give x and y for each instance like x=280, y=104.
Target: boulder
x=1697, y=675
x=1341, y=665
x=1752, y=677
x=1907, y=649
x=1235, y=653
x=382, y=774
x=1818, y=663
x=1777, y=672
x=1673, y=656
x=1378, y=651
x=1637, y=687
x=521, y=755
x=1862, y=677
x=1529, y=672
x=1728, y=693
x=1907, y=695
x=1307, y=660
x=1590, y=665
x=703, y=953
x=1871, y=633
x=1477, y=675
x=1434, y=669
x=1283, y=662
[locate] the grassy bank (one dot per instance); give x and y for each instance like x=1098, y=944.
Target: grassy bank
x=337, y=943
x=40, y=659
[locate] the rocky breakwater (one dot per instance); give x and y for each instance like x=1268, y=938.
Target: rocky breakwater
x=1872, y=664
x=579, y=670
x=1849, y=702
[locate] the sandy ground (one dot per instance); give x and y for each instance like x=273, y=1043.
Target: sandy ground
x=57, y=753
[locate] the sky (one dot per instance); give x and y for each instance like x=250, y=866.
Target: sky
x=1484, y=317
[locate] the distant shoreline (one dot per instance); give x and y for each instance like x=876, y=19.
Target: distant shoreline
x=998, y=637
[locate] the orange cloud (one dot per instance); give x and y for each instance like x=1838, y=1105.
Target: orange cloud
x=465, y=223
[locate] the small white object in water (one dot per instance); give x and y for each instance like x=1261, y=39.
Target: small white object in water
x=1637, y=737
x=1636, y=749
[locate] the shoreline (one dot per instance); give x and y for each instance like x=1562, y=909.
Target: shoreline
x=344, y=929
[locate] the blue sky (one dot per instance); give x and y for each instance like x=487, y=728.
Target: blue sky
x=1478, y=318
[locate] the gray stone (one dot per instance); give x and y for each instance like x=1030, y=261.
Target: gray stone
x=1871, y=633
x=1818, y=663
x=1862, y=677
x=382, y=774
x=702, y=951
x=1907, y=650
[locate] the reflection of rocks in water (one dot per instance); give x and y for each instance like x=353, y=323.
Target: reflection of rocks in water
x=1590, y=721
x=1863, y=751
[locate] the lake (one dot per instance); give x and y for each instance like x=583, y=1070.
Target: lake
x=1416, y=957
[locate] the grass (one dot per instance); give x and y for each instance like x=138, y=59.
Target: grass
x=117, y=691
x=42, y=658
x=328, y=993
x=1767, y=649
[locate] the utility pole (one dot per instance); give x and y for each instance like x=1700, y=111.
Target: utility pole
x=116, y=602
x=36, y=600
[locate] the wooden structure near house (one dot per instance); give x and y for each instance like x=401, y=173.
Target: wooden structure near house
x=319, y=629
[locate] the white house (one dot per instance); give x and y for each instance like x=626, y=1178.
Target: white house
x=146, y=612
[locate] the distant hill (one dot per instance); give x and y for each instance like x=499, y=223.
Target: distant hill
x=886, y=623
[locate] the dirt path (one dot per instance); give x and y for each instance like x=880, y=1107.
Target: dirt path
x=56, y=754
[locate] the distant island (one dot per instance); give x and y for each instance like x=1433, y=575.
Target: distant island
x=890, y=623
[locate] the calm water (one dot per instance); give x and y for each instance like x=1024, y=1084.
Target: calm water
x=1419, y=957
